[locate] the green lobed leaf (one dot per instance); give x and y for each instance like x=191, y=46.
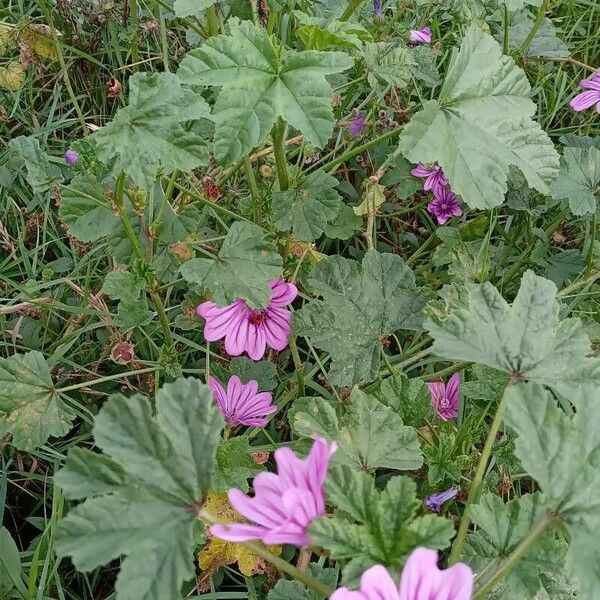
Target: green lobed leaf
x=234, y=465
x=361, y=305
x=410, y=398
x=527, y=339
x=262, y=371
x=579, y=179
x=42, y=175
x=144, y=492
x=243, y=269
x=318, y=33
x=148, y=135
x=30, y=408
x=369, y=435
x=260, y=83
x=307, y=206
x=292, y=590
x=481, y=124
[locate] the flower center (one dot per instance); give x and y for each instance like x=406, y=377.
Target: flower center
x=444, y=402
x=257, y=317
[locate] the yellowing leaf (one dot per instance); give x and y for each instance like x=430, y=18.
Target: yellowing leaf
x=373, y=199
x=7, y=38
x=218, y=553
x=12, y=76
x=38, y=39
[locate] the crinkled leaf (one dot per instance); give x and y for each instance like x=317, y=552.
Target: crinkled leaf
x=424, y=66
x=527, y=339
x=260, y=83
x=306, y=207
x=148, y=135
x=262, y=371
x=481, y=124
x=361, y=305
x=410, y=398
x=146, y=489
x=579, y=179
x=234, y=465
x=243, y=269
x=42, y=175
x=122, y=285
x=12, y=76
x=369, y=435
x=319, y=33
x=132, y=313
x=385, y=528
x=30, y=408
x=388, y=64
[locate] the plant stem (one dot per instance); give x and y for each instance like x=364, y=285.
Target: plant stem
x=515, y=556
x=505, y=41
x=78, y=386
x=260, y=550
x=278, y=136
x=566, y=59
x=212, y=20
x=477, y=483
x=352, y=6
x=297, y=364
x=254, y=191
x=133, y=28
x=539, y=19
x=590, y=253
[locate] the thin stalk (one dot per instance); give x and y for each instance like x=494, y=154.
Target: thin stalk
x=278, y=136
x=254, y=191
x=505, y=44
x=164, y=42
x=78, y=386
x=133, y=28
x=539, y=19
x=590, y=253
x=277, y=562
x=566, y=59
x=352, y=6
x=297, y=364
x=212, y=20
x=515, y=556
x=477, y=483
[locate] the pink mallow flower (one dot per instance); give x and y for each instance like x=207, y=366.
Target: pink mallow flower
x=248, y=330
x=241, y=403
x=444, y=397
x=421, y=580
x=434, y=176
x=284, y=503
x=444, y=205
x=420, y=36
x=591, y=96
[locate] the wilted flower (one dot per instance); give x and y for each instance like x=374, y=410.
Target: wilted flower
x=420, y=36
x=421, y=580
x=71, y=157
x=434, y=502
x=377, y=8
x=445, y=205
x=444, y=397
x=210, y=188
x=589, y=98
x=434, y=176
x=357, y=125
x=241, y=403
x=249, y=330
x=284, y=503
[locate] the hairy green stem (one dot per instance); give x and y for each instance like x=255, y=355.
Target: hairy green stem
x=590, y=253
x=78, y=386
x=539, y=19
x=515, y=556
x=260, y=550
x=278, y=136
x=212, y=20
x=352, y=6
x=297, y=364
x=477, y=483
x=254, y=191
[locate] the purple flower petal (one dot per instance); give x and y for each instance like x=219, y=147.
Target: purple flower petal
x=420, y=36
x=434, y=502
x=590, y=97
x=71, y=157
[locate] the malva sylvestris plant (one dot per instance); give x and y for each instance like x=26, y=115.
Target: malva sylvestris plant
x=357, y=284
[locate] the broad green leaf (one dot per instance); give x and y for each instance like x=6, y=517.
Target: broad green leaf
x=424, y=67
x=527, y=339
x=144, y=492
x=292, y=590
x=42, y=175
x=10, y=563
x=245, y=266
x=234, y=465
x=191, y=8
x=345, y=224
x=579, y=179
x=309, y=205
x=132, y=313
x=122, y=285
x=319, y=33
x=501, y=527
x=262, y=371
x=260, y=83
x=388, y=64
x=361, y=305
x=545, y=42
x=410, y=398
x=30, y=408
x=148, y=135
x=369, y=435
x=405, y=184
x=481, y=124
x=85, y=208
x=384, y=527
x=582, y=562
